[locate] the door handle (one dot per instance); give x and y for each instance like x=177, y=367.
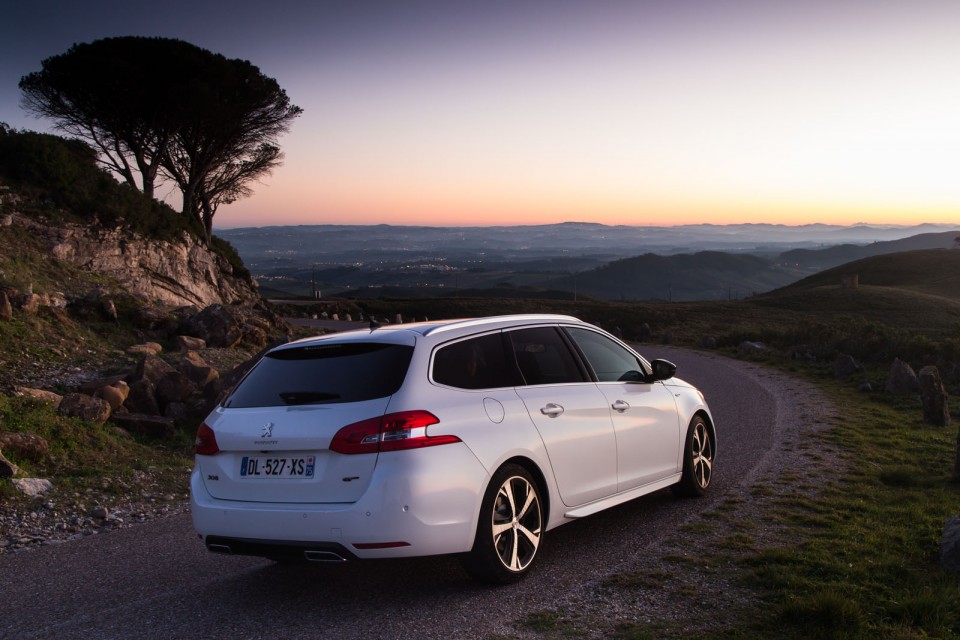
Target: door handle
x=620, y=406
x=552, y=410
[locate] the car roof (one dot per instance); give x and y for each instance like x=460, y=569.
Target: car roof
x=406, y=333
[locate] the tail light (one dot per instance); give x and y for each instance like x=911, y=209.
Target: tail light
x=205, y=443
x=392, y=432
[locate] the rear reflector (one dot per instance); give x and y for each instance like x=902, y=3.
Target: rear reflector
x=380, y=545
x=392, y=432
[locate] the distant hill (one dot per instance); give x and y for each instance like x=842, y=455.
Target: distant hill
x=707, y=275
x=914, y=290
x=840, y=254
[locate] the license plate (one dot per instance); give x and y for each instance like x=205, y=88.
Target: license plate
x=277, y=467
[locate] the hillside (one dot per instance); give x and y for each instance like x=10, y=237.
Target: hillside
x=843, y=253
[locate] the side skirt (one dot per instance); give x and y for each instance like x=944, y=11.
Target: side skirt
x=620, y=498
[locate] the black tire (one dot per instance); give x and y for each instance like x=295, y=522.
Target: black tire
x=698, y=455
x=509, y=530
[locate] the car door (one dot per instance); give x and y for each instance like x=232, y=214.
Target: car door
x=569, y=412
x=644, y=414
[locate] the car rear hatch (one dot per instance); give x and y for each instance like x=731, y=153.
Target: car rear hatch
x=273, y=433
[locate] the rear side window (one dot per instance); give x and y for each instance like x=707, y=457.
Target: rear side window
x=324, y=374
x=477, y=363
x=544, y=357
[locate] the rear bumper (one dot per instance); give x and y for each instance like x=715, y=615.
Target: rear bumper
x=421, y=502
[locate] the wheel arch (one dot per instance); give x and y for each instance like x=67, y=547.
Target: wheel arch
x=703, y=413
x=534, y=469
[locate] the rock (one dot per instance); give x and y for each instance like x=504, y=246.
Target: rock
x=752, y=347
x=644, y=332
x=348, y=318
x=708, y=342
x=86, y=407
x=142, y=398
x=173, y=387
x=197, y=370
x=147, y=348
x=30, y=303
x=254, y=336
x=865, y=387
x=115, y=394
x=24, y=445
x=152, y=369
x=7, y=468
x=100, y=513
x=109, y=309
x=46, y=397
x=950, y=545
x=215, y=325
x=33, y=487
x=179, y=412
x=934, y=397
x=6, y=220
x=152, y=426
x=189, y=343
x=901, y=380
x=845, y=366
x=803, y=352
x=6, y=309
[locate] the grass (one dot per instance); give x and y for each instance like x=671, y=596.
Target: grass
x=855, y=559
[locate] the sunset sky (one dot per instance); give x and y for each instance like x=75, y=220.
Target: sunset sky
x=534, y=111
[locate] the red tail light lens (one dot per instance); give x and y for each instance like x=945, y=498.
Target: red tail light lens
x=392, y=432
x=205, y=443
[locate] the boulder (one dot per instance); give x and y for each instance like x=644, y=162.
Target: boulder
x=86, y=407
x=216, y=325
x=934, y=397
x=152, y=369
x=151, y=426
x=197, y=369
x=189, y=343
x=708, y=342
x=254, y=336
x=7, y=468
x=24, y=445
x=115, y=394
x=950, y=545
x=147, y=348
x=46, y=397
x=173, y=387
x=6, y=309
x=752, y=347
x=33, y=487
x=845, y=365
x=142, y=398
x=109, y=309
x=901, y=380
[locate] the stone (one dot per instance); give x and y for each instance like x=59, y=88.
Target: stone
x=179, y=412
x=6, y=220
x=749, y=346
x=399, y=319
x=936, y=410
x=115, y=394
x=7, y=468
x=845, y=365
x=901, y=380
x=950, y=545
x=41, y=395
x=78, y=405
x=347, y=318
x=33, y=487
x=708, y=342
x=197, y=370
x=24, y=445
x=865, y=387
x=173, y=387
x=189, y=343
x=666, y=338
x=254, y=336
x=147, y=348
x=30, y=303
x=109, y=309
x=146, y=425
x=216, y=325
x=6, y=309
x=152, y=368
x=100, y=513
x=142, y=398
x=803, y=352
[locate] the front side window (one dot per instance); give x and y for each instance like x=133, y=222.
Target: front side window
x=324, y=374
x=476, y=363
x=610, y=361
x=544, y=357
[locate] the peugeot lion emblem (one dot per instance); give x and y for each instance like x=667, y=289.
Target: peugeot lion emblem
x=267, y=430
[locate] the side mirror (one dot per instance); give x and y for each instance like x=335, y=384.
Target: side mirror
x=663, y=370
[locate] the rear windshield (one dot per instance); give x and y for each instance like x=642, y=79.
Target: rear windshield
x=324, y=374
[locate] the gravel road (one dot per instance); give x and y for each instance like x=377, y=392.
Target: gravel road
x=156, y=580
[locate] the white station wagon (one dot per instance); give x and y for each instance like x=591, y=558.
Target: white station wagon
x=469, y=437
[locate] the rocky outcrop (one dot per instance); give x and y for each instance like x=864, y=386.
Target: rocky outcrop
x=902, y=380
x=936, y=410
x=178, y=273
x=950, y=545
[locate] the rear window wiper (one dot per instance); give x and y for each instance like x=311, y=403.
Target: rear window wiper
x=307, y=397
